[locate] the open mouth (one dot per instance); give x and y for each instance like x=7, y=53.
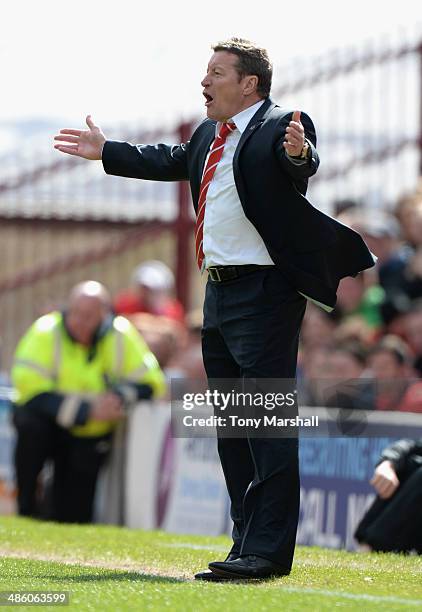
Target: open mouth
x=208, y=99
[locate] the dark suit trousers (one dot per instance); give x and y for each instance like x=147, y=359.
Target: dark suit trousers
x=251, y=330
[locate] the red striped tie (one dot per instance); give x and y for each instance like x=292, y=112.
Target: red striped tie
x=213, y=159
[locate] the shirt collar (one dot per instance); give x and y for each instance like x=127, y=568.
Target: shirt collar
x=242, y=119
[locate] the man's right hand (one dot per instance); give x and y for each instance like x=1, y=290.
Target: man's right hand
x=385, y=480
x=83, y=143
x=107, y=407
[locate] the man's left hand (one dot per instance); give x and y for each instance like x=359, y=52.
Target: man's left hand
x=294, y=138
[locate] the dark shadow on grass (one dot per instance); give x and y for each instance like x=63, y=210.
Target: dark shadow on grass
x=117, y=576
x=122, y=575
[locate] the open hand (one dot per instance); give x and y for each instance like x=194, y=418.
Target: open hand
x=294, y=138
x=83, y=143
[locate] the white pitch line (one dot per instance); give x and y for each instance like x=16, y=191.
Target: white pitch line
x=355, y=596
x=211, y=548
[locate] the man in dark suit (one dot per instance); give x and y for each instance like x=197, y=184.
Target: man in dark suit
x=266, y=250
x=393, y=521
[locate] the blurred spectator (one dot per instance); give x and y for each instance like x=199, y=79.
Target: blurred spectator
x=412, y=326
x=408, y=212
x=165, y=336
x=75, y=373
x=331, y=377
x=357, y=300
x=349, y=387
x=346, y=361
x=316, y=338
x=393, y=522
x=354, y=330
x=189, y=363
x=317, y=328
x=389, y=366
x=313, y=376
x=401, y=275
x=412, y=399
x=152, y=292
x=381, y=231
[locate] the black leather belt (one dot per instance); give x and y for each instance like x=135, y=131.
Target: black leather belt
x=219, y=274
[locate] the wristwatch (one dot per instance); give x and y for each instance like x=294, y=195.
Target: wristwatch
x=305, y=150
x=304, y=154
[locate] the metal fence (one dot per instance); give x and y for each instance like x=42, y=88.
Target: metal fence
x=63, y=220
x=366, y=104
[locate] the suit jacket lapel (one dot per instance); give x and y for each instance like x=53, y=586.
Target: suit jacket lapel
x=253, y=124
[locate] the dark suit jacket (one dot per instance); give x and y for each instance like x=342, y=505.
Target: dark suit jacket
x=312, y=250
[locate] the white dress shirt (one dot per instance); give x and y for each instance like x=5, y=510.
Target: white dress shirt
x=229, y=238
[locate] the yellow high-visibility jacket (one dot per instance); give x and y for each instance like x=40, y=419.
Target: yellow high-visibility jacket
x=54, y=373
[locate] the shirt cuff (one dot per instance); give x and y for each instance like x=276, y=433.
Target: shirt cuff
x=295, y=161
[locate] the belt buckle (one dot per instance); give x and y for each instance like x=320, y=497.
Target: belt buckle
x=215, y=274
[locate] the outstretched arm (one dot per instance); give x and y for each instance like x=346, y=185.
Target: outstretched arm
x=159, y=162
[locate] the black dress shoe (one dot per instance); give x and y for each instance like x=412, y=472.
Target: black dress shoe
x=209, y=576
x=248, y=567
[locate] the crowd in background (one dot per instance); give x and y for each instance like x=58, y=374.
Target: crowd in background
x=373, y=337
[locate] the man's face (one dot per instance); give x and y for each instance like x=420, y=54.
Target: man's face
x=343, y=366
x=226, y=94
x=384, y=366
x=84, y=315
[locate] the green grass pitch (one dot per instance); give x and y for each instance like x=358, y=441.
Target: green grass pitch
x=113, y=568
